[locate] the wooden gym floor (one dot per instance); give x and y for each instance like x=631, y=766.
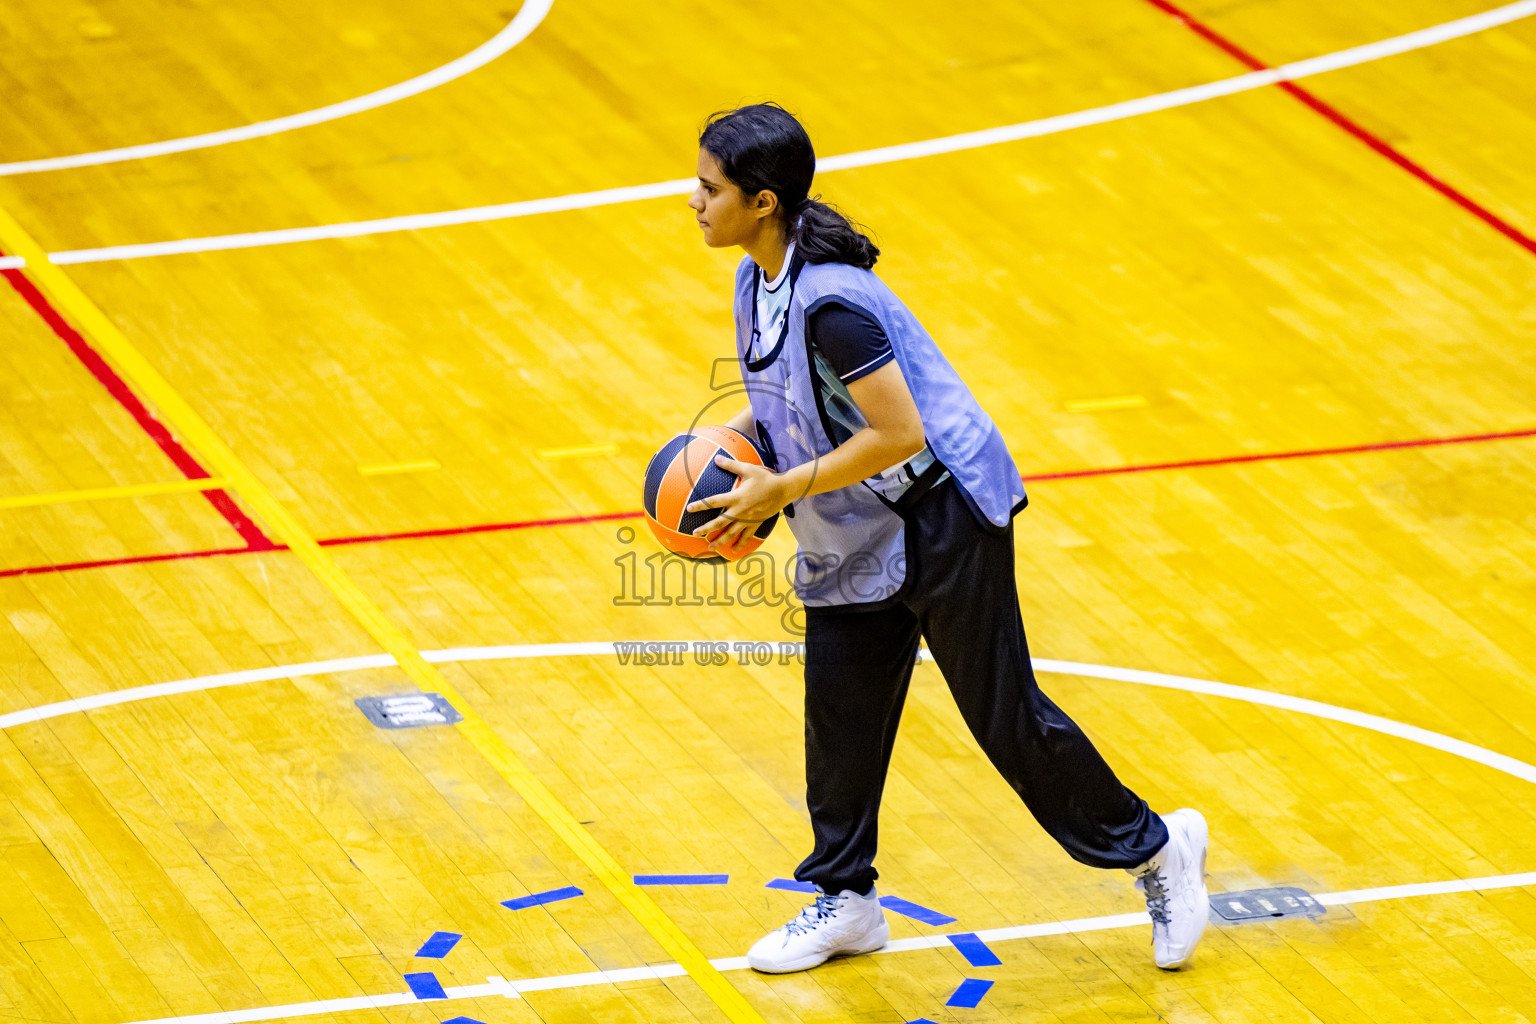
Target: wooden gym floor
x=1237, y=307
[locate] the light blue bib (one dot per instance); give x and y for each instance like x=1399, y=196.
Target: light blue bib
x=852, y=543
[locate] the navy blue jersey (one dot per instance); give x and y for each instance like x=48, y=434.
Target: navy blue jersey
x=847, y=344
x=853, y=343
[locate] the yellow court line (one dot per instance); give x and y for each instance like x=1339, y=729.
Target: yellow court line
x=216, y=483
x=576, y=451
x=1116, y=402
x=128, y=360
x=380, y=468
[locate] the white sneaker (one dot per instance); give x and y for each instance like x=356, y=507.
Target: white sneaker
x=1174, y=883
x=841, y=925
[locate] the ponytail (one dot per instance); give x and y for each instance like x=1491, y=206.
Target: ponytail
x=824, y=235
x=763, y=148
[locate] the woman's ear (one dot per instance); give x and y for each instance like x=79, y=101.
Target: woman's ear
x=766, y=203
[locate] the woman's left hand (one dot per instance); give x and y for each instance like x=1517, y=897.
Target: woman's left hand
x=760, y=496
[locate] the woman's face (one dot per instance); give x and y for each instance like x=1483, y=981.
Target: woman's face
x=726, y=217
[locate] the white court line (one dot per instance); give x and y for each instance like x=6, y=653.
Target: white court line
x=409, y=222
x=453, y=655
x=887, y=154
x=12, y=262
x=527, y=19
x=256, y=675
x=513, y=989
x=1461, y=748
x=308, y=668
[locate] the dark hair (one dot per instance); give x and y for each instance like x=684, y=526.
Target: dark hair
x=761, y=147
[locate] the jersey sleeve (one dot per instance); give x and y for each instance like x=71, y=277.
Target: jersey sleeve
x=854, y=344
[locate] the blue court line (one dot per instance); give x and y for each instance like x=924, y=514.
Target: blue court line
x=425, y=986
x=914, y=911
x=439, y=944
x=969, y=993
x=570, y=892
x=791, y=885
x=682, y=879
x=974, y=950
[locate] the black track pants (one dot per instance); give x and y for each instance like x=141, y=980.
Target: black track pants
x=961, y=597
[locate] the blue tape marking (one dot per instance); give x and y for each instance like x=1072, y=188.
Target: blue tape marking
x=914, y=911
x=439, y=944
x=791, y=885
x=425, y=986
x=922, y=1020
x=570, y=892
x=682, y=879
x=974, y=950
x=969, y=993
x=463, y=1020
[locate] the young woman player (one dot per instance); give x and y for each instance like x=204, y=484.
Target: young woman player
x=901, y=495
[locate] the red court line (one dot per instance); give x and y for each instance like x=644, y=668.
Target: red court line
x=1376, y=142
x=103, y=372
x=103, y=563
x=331, y=542
x=1304, y=453
x=456, y=531
x=604, y=517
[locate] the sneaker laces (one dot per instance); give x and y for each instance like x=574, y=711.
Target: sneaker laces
x=1155, y=884
x=813, y=915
